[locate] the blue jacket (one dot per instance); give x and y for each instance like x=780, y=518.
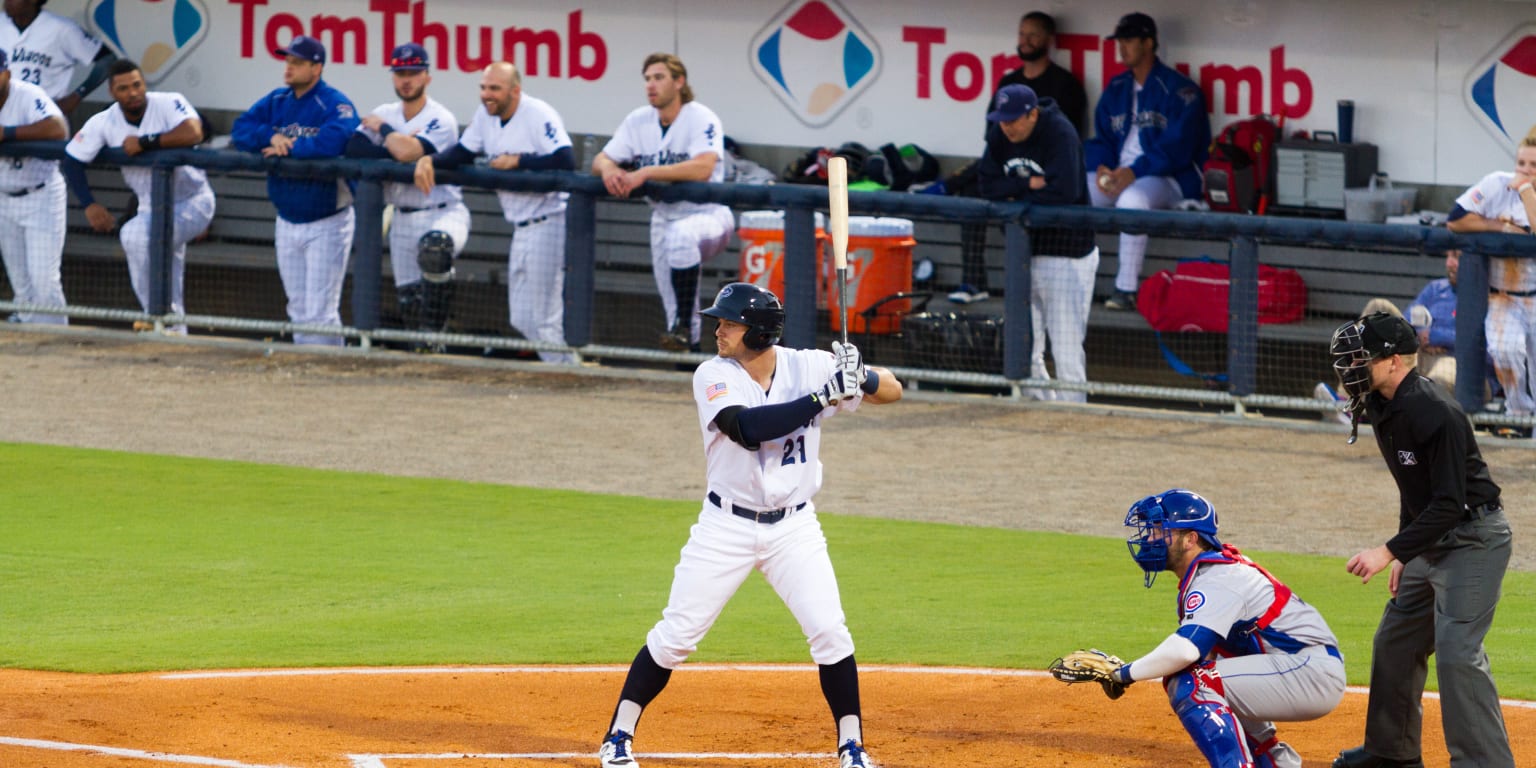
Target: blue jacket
x=1439, y=297
x=1175, y=129
x=320, y=124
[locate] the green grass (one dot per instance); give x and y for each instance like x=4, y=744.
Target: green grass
x=121, y=562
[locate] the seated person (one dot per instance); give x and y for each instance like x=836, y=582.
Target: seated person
x=1151, y=137
x=1433, y=315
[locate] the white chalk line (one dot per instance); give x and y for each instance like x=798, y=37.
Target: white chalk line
x=137, y=754
x=377, y=760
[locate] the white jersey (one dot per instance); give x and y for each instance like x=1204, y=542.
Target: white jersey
x=782, y=472
x=440, y=128
x=46, y=52
x=1492, y=198
x=696, y=131
x=534, y=128
x=26, y=104
x=107, y=128
x=1226, y=598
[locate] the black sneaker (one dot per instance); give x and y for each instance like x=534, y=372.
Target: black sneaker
x=1124, y=300
x=676, y=339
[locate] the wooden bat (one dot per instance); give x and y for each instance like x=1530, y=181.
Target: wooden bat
x=837, y=196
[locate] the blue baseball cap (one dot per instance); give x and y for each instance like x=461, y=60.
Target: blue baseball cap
x=306, y=48
x=1013, y=102
x=1134, y=26
x=409, y=57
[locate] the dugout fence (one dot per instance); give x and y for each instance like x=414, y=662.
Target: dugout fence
x=612, y=315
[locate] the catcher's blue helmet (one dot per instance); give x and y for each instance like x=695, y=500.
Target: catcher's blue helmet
x=1153, y=516
x=752, y=306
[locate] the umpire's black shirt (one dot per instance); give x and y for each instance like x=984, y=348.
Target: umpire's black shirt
x=1427, y=442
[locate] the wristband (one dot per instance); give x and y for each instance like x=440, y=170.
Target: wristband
x=1122, y=675
x=871, y=383
x=10, y=133
x=385, y=130
x=1523, y=188
x=149, y=141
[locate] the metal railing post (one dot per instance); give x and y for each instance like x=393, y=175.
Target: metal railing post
x=1018, y=322
x=1471, y=335
x=799, y=277
x=368, y=254
x=1243, y=317
x=580, y=267
x=162, y=238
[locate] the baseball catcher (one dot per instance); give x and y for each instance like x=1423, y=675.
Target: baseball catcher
x=1247, y=651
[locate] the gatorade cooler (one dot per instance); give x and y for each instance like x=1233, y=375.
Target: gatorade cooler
x=879, y=266
x=762, y=251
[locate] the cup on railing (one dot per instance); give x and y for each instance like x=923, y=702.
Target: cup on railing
x=1346, y=121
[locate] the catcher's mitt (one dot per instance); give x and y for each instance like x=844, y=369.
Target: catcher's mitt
x=1090, y=666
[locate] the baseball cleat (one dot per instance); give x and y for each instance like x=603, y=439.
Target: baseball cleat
x=676, y=339
x=1359, y=758
x=615, y=751
x=852, y=755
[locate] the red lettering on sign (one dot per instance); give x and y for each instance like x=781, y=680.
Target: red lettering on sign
x=388, y=10
x=1279, y=78
x=1078, y=47
x=338, y=30
x=1232, y=79
x=577, y=42
x=926, y=38
x=532, y=41
x=975, y=76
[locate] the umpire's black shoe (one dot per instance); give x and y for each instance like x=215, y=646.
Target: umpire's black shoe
x=1359, y=758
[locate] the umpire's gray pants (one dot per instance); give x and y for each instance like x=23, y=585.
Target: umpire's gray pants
x=1444, y=605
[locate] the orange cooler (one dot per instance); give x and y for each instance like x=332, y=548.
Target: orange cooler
x=762, y=251
x=879, y=265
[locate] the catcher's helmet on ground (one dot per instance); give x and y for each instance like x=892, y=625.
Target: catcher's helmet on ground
x=434, y=254
x=1175, y=509
x=1356, y=343
x=757, y=308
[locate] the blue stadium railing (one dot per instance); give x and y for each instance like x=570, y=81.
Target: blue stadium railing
x=800, y=204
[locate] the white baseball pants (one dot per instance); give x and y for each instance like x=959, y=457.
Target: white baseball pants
x=1511, y=329
x=536, y=284
x=32, y=246
x=1144, y=194
x=193, y=215
x=686, y=242
x=406, y=229
x=1061, y=294
x=312, y=260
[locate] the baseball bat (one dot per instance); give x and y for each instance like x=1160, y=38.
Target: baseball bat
x=837, y=196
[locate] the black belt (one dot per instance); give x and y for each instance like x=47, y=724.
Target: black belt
x=27, y=191
x=764, y=516
x=1483, y=510
x=1512, y=293
x=526, y=222
x=419, y=210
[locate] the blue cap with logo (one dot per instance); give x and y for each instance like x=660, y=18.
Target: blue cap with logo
x=409, y=57
x=1013, y=102
x=306, y=48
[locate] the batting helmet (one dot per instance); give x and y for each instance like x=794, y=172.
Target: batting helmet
x=1175, y=509
x=757, y=308
x=1356, y=343
x=434, y=254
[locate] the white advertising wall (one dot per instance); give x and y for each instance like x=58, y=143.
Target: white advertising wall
x=1443, y=87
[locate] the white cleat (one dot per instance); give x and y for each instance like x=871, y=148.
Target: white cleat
x=615, y=751
x=852, y=755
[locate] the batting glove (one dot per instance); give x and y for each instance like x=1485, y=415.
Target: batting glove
x=835, y=391
x=849, y=363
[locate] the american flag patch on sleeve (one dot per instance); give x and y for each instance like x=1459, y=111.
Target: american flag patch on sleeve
x=714, y=390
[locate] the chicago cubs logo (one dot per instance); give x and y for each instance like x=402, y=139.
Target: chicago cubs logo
x=1193, y=601
x=158, y=34
x=1501, y=89
x=816, y=58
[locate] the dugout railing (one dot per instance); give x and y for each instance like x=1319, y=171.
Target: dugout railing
x=1344, y=260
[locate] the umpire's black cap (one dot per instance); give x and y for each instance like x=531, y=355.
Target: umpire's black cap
x=1383, y=334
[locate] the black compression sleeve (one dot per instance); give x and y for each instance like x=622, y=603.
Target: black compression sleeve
x=766, y=422
x=74, y=176
x=453, y=157
x=562, y=159
x=359, y=146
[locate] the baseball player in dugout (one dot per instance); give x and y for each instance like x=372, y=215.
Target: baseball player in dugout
x=761, y=407
x=520, y=132
x=1151, y=135
x=1248, y=651
x=1446, y=562
x=428, y=228
x=141, y=121
x=45, y=48
x=673, y=139
x=32, y=200
x=306, y=118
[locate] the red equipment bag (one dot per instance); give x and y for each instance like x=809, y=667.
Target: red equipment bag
x=1239, y=174
x=1194, y=296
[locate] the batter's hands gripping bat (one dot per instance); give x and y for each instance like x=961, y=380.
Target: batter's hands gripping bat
x=837, y=197
x=1090, y=666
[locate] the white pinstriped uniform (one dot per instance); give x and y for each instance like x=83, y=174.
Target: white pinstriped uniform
x=194, y=204
x=536, y=263
x=723, y=549
x=46, y=52
x=415, y=213
x=1511, y=320
x=683, y=234
x=32, y=206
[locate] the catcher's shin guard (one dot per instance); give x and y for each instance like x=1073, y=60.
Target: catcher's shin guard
x=436, y=303
x=411, y=300
x=1200, y=702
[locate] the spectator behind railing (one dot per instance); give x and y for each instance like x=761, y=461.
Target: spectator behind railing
x=32, y=200
x=1433, y=316
x=1504, y=202
x=1151, y=135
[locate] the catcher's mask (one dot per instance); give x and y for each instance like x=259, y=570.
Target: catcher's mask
x=1356, y=343
x=1154, y=516
x=434, y=255
x=757, y=308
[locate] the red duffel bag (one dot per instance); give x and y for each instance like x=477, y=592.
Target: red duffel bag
x=1193, y=297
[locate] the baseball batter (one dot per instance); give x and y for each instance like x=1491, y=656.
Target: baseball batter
x=32, y=200
x=45, y=48
x=1247, y=652
x=761, y=407
x=1504, y=201
x=518, y=131
x=673, y=139
x=306, y=118
x=143, y=121
x=428, y=229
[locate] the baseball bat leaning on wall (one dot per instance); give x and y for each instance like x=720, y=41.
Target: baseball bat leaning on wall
x=837, y=195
